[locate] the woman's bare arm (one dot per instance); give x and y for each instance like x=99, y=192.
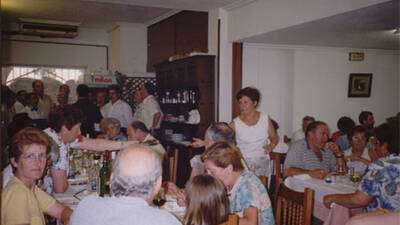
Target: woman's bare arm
x=101, y=145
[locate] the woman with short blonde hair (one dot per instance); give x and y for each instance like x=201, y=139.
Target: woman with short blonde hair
x=247, y=195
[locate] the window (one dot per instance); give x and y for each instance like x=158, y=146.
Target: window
x=34, y=72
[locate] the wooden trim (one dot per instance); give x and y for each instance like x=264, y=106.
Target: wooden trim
x=217, y=69
x=237, y=65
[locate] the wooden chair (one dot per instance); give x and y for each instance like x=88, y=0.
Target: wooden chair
x=233, y=219
x=173, y=165
x=279, y=159
x=294, y=208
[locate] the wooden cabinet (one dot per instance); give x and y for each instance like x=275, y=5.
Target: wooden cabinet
x=182, y=33
x=187, y=84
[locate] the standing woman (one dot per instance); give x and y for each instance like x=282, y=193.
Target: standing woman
x=253, y=132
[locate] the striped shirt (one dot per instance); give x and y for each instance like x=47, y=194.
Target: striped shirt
x=301, y=156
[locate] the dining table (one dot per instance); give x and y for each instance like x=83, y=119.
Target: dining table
x=79, y=189
x=336, y=214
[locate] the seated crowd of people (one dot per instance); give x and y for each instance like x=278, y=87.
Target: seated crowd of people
x=225, y=178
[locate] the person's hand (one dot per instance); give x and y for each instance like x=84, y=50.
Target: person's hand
x=268, y=149
x=318, y=173
x=328, y=200
x=198, y=143
x=334, y=148
x=181, y=198
x=170, y=188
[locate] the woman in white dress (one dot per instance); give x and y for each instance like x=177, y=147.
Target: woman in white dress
x=255, y=134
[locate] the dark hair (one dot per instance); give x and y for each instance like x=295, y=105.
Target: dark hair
x=388, y=133
x=151, y=89
x=220, y=131
x=68, y=117
x=21, y=91
x=208, y=202
x=223, y=154
x=139, y=125
x=313, y=126
x=26, y=137
x=364, y=116
x=309, y=118
x=355, y=130
x=250, y=92
x=82, y=90
x=115, y=88
x=345, y=124
x=19, y=122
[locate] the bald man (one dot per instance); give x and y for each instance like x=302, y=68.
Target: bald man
x=135, y=180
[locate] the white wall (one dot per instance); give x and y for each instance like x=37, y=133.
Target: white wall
x=296, y=81
x=321, y=85
x=128, y=48
x=270, y=71
x=34, y=53
x=253, y=17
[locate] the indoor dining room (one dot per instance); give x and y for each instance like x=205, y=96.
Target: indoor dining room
x=212, y=112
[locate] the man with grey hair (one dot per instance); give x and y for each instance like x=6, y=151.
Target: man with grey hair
x=133, y=187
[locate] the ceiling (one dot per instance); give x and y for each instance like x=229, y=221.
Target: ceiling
x=371, y=27
x=101, y=13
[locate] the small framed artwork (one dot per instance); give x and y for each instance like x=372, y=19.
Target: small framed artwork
x=360, y=85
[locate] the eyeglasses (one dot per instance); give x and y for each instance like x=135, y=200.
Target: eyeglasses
x=32, y=157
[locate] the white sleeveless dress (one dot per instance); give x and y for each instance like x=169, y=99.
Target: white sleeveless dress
x=251, y=141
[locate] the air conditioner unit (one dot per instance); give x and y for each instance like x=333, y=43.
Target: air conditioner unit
x=48, y=28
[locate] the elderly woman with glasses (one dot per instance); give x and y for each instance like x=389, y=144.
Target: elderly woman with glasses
x=22, y=201
x=247, y=195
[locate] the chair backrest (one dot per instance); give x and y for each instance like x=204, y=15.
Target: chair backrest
x=173, y=165
x=233, y=219
x=279, y=159
x=294, y=208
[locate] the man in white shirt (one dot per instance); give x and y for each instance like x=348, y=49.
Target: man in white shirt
x=101, y=102
x=148, y=111
x=118, y=108
x=300, y=133
x=45, y=102
x=33, y=108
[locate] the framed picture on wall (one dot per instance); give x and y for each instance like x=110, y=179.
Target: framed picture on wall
x=360, y=85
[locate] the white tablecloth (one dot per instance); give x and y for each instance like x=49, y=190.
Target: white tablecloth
x=67, y=198
x=340, y=185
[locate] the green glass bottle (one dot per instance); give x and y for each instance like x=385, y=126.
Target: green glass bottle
x=105, y=173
